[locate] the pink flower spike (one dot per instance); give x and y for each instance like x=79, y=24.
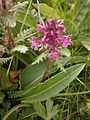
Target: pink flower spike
x=53, y=54
x=39, y=28
x=51, y=37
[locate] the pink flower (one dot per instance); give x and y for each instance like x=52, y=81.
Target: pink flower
x=52, y=37
x=36, y=41
x=39, y=28
x=61, y=26
x=65, y=41
x=53, y=54
x=44, y=39
x=34, y=45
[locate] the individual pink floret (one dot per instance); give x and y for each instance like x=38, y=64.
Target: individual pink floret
x=53, y=54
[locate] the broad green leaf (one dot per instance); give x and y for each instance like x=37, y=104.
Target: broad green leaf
x=54, y=111
x=47, y=11
x=29, y=20
x=53, y=85
x=79, y=10
x=86, y=44
x=40, y=109
x=65, y=52
x=5, y=83
x=30, y=73
x=51, y=109
x=26, y=58
x=49, y=106
x=52, y=3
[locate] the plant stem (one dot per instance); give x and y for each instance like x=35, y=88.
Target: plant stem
x=39, y=15
x=25, y=16
x=9, y=65
x=46, y=74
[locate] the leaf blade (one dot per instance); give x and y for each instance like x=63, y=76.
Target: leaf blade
x=53, y=86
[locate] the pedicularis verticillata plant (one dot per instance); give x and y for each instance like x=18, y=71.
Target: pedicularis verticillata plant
x=45, y=68
x=53, y=36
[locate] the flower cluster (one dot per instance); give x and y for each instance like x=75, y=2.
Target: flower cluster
x=53, y=35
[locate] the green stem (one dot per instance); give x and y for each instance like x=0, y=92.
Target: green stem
x=10, y=65
x=71, y=94
x=46, y=74
x=26, y=37
x=25, y=16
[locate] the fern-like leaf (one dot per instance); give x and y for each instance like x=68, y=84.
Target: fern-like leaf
x=24, y=35
x=14, y=94
x=18, y=6
x=40, y=58
x=20, y=48
x=4, y=60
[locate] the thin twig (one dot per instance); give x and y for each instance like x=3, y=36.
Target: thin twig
x=40, y=18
